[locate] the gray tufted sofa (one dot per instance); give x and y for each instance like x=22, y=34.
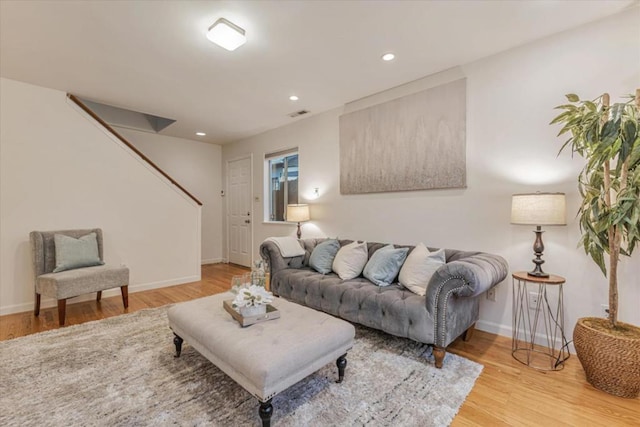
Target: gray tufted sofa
x=449, y=309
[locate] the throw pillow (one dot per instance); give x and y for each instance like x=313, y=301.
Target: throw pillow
x=350, y=260
x=76, y=253
x=321, y=259
x=384, y=265
x=419, y=267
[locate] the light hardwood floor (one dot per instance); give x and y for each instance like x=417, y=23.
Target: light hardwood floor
x=506, y=394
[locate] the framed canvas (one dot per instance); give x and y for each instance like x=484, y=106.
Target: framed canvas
x=417, y=142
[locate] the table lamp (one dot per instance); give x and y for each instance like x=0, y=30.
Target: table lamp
x=298, y=213
x=538, y=209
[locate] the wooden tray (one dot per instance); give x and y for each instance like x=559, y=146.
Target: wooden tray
x=272, y=313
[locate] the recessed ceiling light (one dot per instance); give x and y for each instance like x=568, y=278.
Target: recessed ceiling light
x=201, y=134
x=226, y=34
x=388, y=56
x=293, y=98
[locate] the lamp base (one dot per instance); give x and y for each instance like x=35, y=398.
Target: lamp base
x=538, y=248
x=535, y=273
x=299, y=233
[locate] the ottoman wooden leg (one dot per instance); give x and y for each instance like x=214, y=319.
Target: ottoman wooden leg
x=342, y=364
x=266, y=411
x=178, y=343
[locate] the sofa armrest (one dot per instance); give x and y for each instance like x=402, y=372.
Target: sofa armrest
x=271, y=255
x=453, y=290
x=470, y=276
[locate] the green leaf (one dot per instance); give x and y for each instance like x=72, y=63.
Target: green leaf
x=566, y=107
x=599, y=260
x=563, y=146
x=625, y=150
x=572, y=97
x=628, y=136
x=610, y=131
x=561, y=117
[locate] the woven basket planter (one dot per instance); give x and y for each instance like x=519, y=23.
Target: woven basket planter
x=612, y=363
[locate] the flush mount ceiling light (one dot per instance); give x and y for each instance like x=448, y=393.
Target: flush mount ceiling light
x=201, y=134
x=226, y=34
x=293, y=98
x=388, y=57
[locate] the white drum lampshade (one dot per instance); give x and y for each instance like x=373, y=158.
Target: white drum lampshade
x=298, y=213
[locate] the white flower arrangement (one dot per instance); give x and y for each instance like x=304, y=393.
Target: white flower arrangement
x=250, y=296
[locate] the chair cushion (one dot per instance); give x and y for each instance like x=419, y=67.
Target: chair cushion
x=76, y=253
x=72, y=283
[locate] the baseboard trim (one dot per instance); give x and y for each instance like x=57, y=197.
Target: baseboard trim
x=50, y=302
x=507, y=331
x=494, y=328
x=212, y=261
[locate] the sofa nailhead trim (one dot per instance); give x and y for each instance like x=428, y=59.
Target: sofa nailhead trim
x=444, y=311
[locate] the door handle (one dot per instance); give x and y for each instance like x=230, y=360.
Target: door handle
x=246, y=221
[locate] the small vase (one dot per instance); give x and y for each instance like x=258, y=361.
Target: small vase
x=257, y=274
x=253, y=310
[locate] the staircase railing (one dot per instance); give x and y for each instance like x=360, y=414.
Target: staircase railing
x=104, y=124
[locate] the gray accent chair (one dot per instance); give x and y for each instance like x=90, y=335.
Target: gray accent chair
x=72, y=283
x=449, y=309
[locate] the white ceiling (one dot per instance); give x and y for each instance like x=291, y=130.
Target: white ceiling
x=153, y=57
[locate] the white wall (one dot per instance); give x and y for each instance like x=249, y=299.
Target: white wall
x=510, y=149
x=197, y=167
x=60, y=170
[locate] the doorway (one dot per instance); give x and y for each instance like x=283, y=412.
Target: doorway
x=239, y=215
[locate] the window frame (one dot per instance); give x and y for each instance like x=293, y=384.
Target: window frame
x=268, y=204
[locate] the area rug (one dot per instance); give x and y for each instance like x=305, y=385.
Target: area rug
x=121, y=372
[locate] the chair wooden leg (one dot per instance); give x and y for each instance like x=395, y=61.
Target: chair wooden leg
x=125, y=295
x=466, y=336
x=62, y=310
x=99, y=296
x=36, y=308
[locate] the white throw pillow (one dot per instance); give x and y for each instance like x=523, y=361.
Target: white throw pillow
x=350, y=260
x=419, y=267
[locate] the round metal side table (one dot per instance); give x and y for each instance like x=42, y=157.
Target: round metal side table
x=538, y=305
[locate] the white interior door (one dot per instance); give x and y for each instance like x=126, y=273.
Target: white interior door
x=239, y=211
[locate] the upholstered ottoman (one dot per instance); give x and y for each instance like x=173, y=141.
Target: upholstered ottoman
x=265, y=358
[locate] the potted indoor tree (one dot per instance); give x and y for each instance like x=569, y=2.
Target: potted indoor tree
x=607, y=136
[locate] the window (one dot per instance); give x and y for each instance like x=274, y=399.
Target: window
x=282, y=183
